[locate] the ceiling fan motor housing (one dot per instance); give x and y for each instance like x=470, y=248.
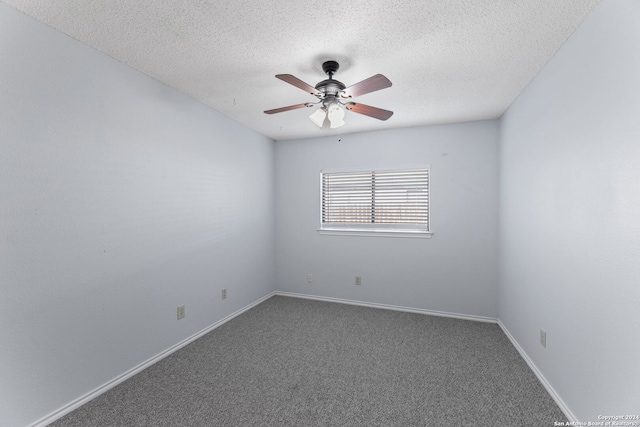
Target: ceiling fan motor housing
x=330, y=86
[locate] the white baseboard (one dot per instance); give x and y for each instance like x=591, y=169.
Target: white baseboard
x=59, y=413
x=552, y=392
x=391, y=307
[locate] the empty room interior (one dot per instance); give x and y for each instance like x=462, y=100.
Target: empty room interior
x=146, y=199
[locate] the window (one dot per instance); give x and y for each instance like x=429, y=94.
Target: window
x=375, y=202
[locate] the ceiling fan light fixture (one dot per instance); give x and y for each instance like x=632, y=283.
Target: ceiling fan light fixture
x=318, y=117
x=335, y=114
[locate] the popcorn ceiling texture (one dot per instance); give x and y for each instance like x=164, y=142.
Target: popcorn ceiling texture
x=449, y=60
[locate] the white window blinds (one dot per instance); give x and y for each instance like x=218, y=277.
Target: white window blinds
x=386, y=199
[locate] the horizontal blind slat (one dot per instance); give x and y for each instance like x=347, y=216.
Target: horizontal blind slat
x=383, y=197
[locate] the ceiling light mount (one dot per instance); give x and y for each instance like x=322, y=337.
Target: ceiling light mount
x=330, y=68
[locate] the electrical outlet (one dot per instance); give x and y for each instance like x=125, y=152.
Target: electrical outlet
x=309, y=278
x=543, y=338
x=181, y=311
x=224, y=294
x=358, y=280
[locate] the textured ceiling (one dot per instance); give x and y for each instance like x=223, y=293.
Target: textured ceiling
x=449, y=60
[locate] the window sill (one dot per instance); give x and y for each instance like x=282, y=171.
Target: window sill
x=376, y=233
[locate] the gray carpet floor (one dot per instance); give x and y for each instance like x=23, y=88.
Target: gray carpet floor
x=296, y=362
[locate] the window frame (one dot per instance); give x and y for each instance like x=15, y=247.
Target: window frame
x=371, y=229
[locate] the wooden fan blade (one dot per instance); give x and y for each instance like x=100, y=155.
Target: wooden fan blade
x=367, y=110
x=371, y=84
x=290, y=107
x=292, y=80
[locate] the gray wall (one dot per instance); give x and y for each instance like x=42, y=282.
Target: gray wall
x=120, y=199
x=455, y=271
x=570, y=216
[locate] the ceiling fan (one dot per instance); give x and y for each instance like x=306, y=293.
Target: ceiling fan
x=330, y=94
